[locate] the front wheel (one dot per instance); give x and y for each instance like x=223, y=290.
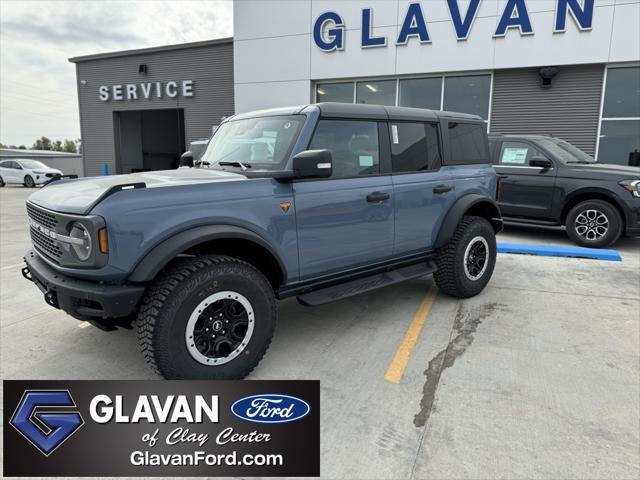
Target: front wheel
x=466, y=263
x=594, y=223
x=1, y=182
x=29, y=182
x=210, y=317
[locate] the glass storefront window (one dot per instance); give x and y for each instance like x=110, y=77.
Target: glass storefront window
x=334, y=92
x=622, y=93
x=382, y=92
x=620, y=142
x=620, y=123
x=420, y=93
x=468, y=94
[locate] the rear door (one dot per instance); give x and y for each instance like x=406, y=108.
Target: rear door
x=525, y=191
x=11, y=171
x=345, y=221
x=3, y=170
x=423, y=190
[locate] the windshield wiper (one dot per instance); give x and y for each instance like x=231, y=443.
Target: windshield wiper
x=243, y=166
x=585, y=162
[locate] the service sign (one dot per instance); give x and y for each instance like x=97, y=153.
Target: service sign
x=161, y=428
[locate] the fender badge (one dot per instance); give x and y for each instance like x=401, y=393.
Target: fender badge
x=284, y=206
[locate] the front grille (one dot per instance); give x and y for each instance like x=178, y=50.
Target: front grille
x=44, y=243
x=42, y=217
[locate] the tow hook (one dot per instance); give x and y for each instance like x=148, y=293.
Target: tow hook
x=26, y=273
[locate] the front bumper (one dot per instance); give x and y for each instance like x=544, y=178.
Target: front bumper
x=82, y=299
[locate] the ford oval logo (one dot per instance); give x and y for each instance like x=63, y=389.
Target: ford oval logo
x=270, y=408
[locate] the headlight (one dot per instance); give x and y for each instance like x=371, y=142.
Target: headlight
x=82, y=245
x=631, y=185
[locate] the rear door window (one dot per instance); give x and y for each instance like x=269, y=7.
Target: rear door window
x=353, y=145
x=414, y=147
x=468, y=143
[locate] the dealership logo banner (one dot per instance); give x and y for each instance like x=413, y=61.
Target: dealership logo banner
x=161, y=428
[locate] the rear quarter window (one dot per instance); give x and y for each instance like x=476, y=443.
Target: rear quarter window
x=467, y=143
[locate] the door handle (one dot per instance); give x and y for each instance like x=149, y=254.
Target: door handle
x=378, y=197
x=441, y=189
x=502, y=175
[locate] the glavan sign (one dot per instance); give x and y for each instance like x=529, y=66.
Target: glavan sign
x=146, y=90
x=329, y=28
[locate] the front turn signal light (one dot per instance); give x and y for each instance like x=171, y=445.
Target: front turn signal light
x=102, y=240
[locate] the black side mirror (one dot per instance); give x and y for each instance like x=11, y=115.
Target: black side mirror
x=186, y=159
x=541, y=162
x=313, y=164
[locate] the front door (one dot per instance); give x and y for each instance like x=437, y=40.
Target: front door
x=525, y=191
x=345, y=221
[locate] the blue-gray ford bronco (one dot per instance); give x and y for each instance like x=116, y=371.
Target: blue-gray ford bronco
x=320, y=202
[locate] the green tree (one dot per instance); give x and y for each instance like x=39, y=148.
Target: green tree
x=57, y=146
x=43, y=143
x=69, y=146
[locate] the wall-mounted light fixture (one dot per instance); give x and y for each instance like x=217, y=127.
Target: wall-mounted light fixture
x=546, y=75
x=142, y=68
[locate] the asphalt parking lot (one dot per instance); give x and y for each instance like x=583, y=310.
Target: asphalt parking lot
x=537, y=377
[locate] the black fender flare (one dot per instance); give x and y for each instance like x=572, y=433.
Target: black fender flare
x=485, y=207
x=160, y=255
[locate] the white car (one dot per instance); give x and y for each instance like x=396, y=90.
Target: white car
x=26, y=172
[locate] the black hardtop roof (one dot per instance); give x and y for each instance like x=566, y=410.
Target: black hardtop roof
x=515, y=135
x=363, y=111
x=359, y=110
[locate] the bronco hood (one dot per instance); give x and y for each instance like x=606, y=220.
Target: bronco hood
x=80, y=196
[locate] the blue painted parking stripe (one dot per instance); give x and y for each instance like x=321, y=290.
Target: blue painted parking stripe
x=559, y=251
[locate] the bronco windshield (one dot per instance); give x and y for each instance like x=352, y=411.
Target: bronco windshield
x=565, y=152
x=260, y=143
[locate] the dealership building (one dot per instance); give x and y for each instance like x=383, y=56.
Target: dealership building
x=568, y=68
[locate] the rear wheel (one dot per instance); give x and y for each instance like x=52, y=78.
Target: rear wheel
x=1, y=182
x=594, y=223
x=28, y=181
x=466, y=263
x=211, y=317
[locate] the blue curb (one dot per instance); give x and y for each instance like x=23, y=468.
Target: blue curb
x=558, y=251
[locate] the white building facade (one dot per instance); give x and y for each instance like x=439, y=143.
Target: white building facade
x=569, y=68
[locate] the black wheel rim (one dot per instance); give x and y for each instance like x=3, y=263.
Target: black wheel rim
x=476, y=258
x=219, y=329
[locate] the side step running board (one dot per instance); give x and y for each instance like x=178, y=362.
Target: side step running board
x=365, y=284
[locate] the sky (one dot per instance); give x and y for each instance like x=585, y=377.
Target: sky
x=38, y=84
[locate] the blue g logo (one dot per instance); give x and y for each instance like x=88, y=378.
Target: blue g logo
x=40, y=421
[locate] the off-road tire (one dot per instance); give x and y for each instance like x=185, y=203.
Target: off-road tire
x=614, y=228
x=450, y=276
x=169, y=302
x=29, y=182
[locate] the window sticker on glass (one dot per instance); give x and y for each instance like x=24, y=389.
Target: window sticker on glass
x=394, y=134
x=366, y=160
x=515, y=155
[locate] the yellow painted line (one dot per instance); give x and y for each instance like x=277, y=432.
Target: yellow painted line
x=10, y=267
x=401, y=359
